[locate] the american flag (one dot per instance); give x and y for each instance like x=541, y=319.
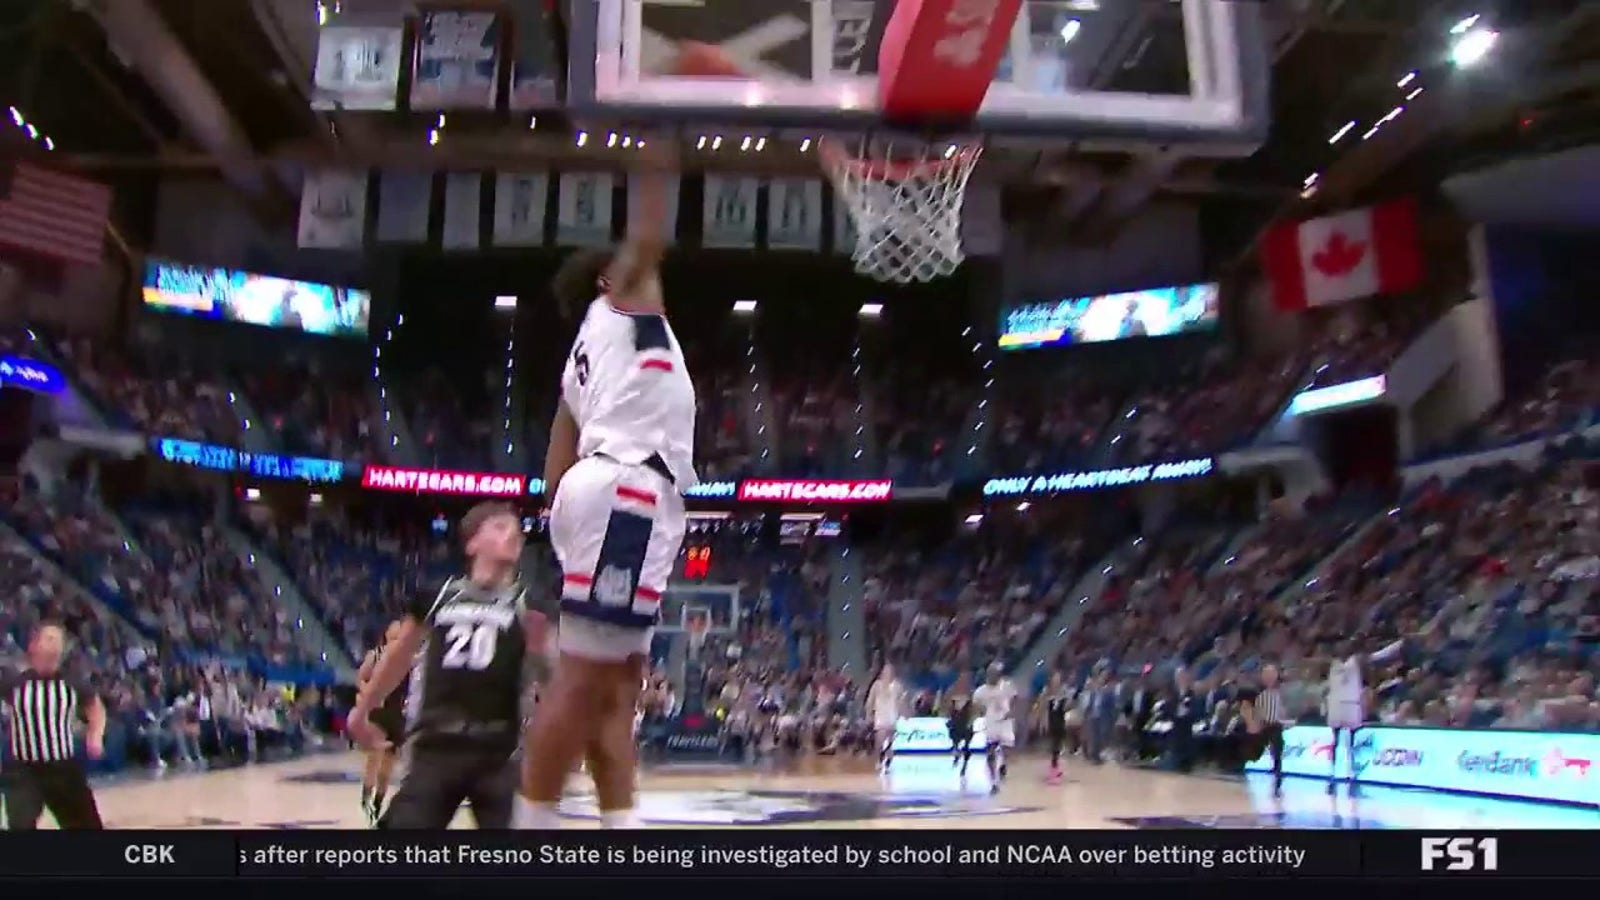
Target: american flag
x=56, y=217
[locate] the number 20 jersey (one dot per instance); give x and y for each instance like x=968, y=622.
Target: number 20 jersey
x=629, y=391
x=466, y=684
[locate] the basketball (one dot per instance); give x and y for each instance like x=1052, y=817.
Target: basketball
x=700, y=60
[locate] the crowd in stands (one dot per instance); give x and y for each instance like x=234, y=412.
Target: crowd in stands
x=1488, y=580
x=315, y=414
x=161, y=710
x=155, y=395
x=359, y=579
x=1566, y=394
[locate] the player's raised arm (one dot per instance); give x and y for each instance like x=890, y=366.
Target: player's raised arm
x=631, y=276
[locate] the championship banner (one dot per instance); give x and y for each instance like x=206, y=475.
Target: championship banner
x=404, y=200
x=358, y=66
x=583, y=209
x=333, y=210
x=462, y=199
x=533, y=65
x=794, y=214
x=844, y=228
x=730, y=212
x=669, y=225
x=458, y=61
x=519, y=204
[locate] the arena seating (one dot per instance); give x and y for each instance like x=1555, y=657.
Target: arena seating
x=157, y=396
x=359, y=579
x=314, y=413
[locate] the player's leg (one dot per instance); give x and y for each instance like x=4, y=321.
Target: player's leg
x=616, y=531
x=369, y=780
x=492, y=790
x=1333, y=760
x=1058, y=740
x=613, y=755
x=429, y=793
x=24, y=801
x=66, y=793
x=394, y=731
x=650, y=565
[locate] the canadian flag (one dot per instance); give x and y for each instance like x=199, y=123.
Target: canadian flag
x=1343, y=257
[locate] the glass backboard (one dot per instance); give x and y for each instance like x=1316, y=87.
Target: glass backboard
x=1166, y=71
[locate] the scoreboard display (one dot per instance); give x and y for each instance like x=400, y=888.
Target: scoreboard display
x=697, y=562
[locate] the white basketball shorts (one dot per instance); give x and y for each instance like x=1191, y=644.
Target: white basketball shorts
x=1003, y=733
x=1345, y=715
x=616, y=529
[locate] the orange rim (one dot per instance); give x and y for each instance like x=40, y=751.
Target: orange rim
x=894, y=169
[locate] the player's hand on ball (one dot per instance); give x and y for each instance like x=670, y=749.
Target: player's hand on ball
x=95, y=746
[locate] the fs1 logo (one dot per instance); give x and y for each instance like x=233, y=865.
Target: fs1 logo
x=1461, y=854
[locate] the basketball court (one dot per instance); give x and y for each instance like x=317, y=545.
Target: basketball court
x=321, y=792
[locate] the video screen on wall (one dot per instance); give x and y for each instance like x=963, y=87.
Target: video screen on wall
x=1153, y=312
x=230, y=295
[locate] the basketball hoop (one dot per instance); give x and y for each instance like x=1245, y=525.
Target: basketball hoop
x=905, y=200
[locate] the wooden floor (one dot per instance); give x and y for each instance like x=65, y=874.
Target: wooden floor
x=323, y=791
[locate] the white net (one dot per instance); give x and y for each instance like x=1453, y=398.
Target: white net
x=905, y=199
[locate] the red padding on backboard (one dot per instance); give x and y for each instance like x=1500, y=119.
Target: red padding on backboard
x=939, y=56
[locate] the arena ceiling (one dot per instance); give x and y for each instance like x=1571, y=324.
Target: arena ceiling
x=125, y=89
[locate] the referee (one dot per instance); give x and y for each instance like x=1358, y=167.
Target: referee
x=44, y=771
x=1270, y=716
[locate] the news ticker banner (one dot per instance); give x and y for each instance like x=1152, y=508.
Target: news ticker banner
x=764, y=853
x=1561, y=767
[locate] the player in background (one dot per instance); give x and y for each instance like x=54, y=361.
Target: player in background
x=391, y=721
x=958, y=721
x=886, y=700
x=468, y=644
x=996, y=699
x=1057, y=700
x=1346, y=698
x=621, y=454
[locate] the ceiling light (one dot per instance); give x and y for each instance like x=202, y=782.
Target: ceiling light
x=1339, y=135
x=1473, y=47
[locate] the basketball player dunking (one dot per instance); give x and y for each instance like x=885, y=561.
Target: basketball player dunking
x=621, y=455
x=390, y=721
x=886, y=700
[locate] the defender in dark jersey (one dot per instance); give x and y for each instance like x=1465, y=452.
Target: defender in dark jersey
x=1057, y=703
x=391, y=721
x=958, y=720
x=467, y=643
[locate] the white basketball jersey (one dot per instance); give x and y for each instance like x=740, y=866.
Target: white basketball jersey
x=996, y=700
x=629, y=390
x=1344, y=681
x=886, y=699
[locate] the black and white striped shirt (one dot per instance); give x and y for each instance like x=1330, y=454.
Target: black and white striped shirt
x=41, y=711
x=1269, y=705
